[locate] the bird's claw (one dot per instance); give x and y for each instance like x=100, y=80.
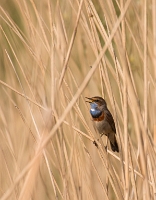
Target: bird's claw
x=95, y=143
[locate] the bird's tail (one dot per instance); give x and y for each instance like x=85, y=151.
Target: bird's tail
x=114, y=144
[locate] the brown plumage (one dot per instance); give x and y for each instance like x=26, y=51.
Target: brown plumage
x=103, y=120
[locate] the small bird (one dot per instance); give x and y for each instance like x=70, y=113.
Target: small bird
x=103, y=120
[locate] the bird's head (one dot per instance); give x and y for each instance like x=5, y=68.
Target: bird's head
x=98, y=104
x=96, y=101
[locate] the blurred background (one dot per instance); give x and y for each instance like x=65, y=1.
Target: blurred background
x=53, y=54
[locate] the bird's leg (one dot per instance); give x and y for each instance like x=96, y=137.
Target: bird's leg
x=102, y=134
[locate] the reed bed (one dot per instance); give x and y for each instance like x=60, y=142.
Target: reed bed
x=53, y=55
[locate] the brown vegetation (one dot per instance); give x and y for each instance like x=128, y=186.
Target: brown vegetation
x=55, y=53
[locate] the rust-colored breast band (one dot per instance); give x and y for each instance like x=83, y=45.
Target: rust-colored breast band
x=100, y=118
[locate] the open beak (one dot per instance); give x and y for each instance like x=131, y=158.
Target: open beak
x=90, y=100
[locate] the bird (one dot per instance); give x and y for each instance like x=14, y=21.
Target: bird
x=103, y=120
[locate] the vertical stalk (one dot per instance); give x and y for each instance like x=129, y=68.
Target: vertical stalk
x=154, y=57
x=145, y=63
x=125, y=114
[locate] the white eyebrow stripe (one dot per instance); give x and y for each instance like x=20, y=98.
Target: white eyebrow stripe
x=92, y=109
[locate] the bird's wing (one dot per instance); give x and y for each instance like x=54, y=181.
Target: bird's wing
x=110, y=120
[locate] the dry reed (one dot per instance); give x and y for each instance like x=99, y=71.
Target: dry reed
x=53, y=54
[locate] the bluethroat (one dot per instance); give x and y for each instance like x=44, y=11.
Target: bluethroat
x=103, y=120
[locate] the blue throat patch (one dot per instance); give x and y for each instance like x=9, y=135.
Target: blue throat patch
x=94, y=111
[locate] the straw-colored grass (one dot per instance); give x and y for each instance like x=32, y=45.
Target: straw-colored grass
x=55, y=53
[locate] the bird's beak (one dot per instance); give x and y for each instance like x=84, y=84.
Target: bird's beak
x=90, y=100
